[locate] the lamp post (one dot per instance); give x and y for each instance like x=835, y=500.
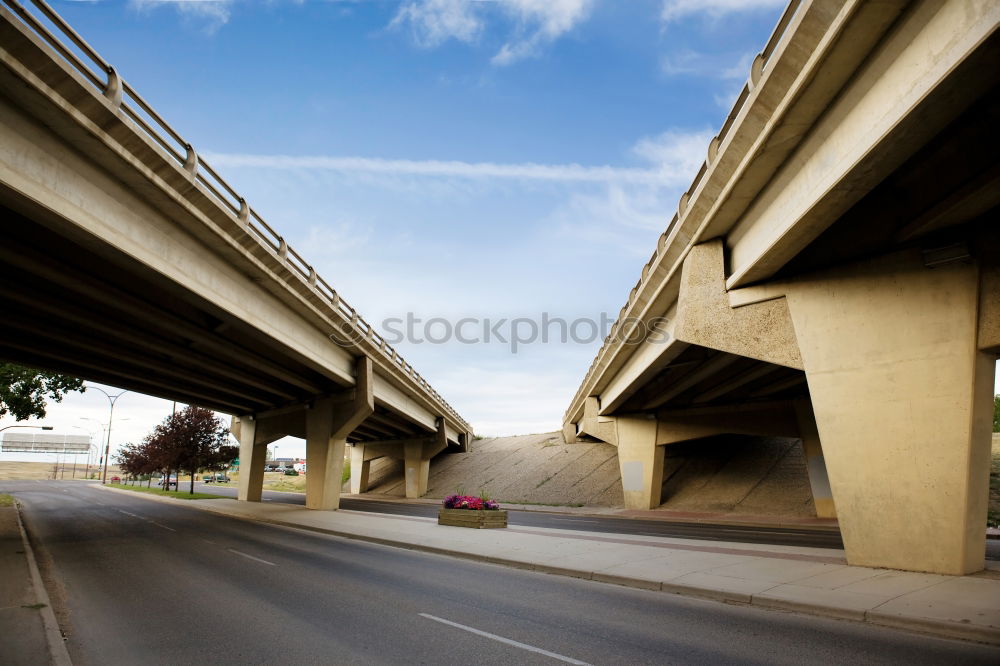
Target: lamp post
x=112, y=399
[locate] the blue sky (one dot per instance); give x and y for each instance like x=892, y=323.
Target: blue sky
x=449, y=158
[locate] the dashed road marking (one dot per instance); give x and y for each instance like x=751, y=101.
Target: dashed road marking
x=507, y=641
x=251, y=557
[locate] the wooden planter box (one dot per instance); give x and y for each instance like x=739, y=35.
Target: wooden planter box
x=470, y=518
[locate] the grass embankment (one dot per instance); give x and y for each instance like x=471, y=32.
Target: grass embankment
x=6, y=500
x=168, y=493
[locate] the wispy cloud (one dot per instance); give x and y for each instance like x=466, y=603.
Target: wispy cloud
x=215, y=13
x=612, y=217
x=724, y=66
x=673, y=10
x=433, y=22
x=664, y=171
x=535, y=23
x=539, y=22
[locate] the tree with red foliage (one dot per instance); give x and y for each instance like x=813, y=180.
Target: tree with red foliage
x=190, y=440
x=134, y=460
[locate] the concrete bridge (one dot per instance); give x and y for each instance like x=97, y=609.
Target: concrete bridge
x=833, y=274
x=126, y=259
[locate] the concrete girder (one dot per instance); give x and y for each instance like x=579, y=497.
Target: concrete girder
x=704, y=317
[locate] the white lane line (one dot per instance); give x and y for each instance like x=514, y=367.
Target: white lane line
x=501, y=639
x=251, y=557
x=147, y=520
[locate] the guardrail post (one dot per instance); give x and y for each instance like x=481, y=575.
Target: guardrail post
x=191, y=162
x=113, y=89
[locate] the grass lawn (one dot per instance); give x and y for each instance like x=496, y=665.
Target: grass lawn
x=6, y=500
x=169, y=493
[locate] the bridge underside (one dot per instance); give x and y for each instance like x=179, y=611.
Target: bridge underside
x=128, y=262
x=77, y=307
x=869, y=327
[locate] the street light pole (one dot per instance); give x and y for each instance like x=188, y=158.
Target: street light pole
x=26, y=426
x=107, y=446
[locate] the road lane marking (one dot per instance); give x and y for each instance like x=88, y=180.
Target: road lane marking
x=501, y=639
x=147, y=520
x=251, y=557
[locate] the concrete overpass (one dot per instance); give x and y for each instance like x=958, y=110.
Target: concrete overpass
x=833, y=274
x=126, y=259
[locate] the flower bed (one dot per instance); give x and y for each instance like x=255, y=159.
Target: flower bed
x=469, y=511
x=470, y=502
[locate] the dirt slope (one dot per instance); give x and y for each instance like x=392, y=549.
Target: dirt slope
x=730, y=474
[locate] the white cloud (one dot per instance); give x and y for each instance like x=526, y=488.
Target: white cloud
x=676, y=9
x=544, y=21
x=433, y=22
x=626, y=215
x=674, y=152
x=666, y=170
x=216, y=13
x=726, y=66
x=535, y=23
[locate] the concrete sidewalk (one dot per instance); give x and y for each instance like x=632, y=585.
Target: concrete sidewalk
x=793, y=578
x=29, y=633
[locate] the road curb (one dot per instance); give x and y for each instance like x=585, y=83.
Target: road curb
x=58, y=654
x=924, y=626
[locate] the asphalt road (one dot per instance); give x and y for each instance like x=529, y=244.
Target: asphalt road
x=138, y=581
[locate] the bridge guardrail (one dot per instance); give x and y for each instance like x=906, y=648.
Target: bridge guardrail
x=141, y=114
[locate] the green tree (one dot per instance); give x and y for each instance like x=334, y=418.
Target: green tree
x=996, y=413
x=23, y=391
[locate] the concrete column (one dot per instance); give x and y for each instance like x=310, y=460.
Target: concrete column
x=325, y=456
x=251, y=462
x=641, y=462
x=815, y=462
x=360, y=469
x=902, y=398
x=417, y=469
x=569, y=432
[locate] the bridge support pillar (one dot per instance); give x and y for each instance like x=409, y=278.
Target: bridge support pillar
x=640, y=461
x=417, y=469
x=252, y=456
x=328, y=423
x=819, y=480
x=902, y=395
x=360, y=469
x=325, y=457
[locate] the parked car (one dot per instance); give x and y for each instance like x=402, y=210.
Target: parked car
x=216, y=478
x=116, y=479
x=169, y=482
